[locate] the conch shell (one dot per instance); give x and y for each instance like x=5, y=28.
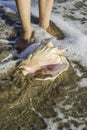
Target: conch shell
x=46, y=59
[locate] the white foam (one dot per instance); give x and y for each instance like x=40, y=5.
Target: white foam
x=83, y=82
x=50, y=124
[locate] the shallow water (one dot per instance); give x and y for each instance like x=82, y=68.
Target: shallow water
x=71, y=99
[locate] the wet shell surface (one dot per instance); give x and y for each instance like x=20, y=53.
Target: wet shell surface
x=46, y=62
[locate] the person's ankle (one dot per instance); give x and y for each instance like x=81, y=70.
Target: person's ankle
x=44, y=26
x=27, y=35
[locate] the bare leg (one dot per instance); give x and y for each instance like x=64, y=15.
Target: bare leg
x=45, y=7
x=24, y=12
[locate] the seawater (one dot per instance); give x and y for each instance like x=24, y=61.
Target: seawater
x=69, y=19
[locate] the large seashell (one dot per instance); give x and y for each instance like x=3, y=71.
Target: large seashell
x=46, y=59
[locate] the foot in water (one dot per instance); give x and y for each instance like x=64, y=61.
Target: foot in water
x=55, y=31
x=22, y=43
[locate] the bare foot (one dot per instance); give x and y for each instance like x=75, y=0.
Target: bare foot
x=55, y=31
x=24, y=41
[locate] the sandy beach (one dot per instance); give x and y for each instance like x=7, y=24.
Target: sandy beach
x=60, y=104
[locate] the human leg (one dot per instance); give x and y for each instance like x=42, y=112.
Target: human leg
x=45, y=7
x=24, y=12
